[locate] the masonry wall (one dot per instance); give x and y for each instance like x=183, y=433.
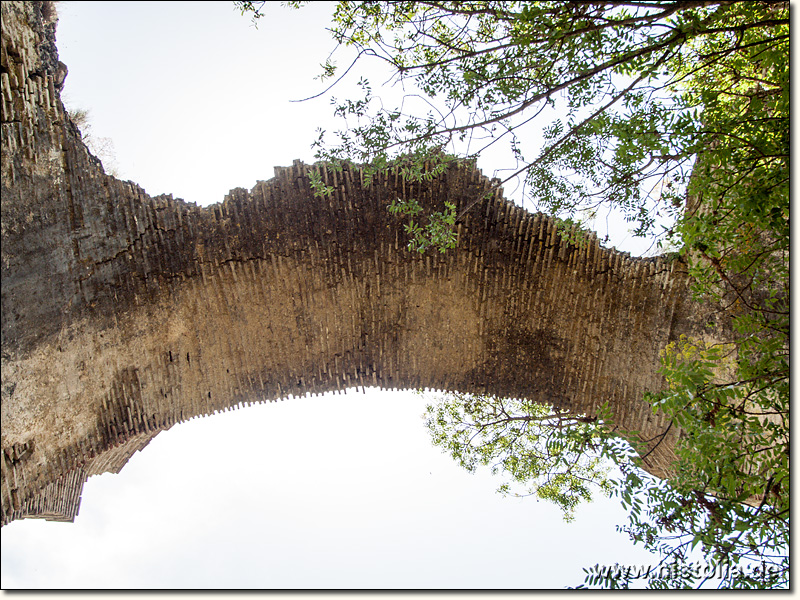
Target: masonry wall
x=124, y=314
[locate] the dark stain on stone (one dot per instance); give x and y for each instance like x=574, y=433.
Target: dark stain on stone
x=521, y=363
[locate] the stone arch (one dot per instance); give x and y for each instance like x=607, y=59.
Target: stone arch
x=150, y=311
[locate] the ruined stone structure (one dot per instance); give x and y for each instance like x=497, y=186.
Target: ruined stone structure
x=124, y=314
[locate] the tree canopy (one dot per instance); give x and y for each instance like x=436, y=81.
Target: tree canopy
x=676, y=115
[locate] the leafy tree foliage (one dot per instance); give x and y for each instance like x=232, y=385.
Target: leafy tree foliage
x=623, y=72
x=545, y=453
x=728, y=503
x=674, y=113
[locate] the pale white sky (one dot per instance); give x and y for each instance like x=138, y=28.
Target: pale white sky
x=341, y=491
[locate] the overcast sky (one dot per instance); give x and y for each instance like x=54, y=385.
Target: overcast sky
x=341, y=491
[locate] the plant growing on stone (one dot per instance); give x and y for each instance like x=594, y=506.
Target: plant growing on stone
x=610, y=77
x=101, y=147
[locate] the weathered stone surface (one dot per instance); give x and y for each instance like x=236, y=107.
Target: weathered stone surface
x=124, y=314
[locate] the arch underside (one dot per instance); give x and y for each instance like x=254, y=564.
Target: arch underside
x=124, y=314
